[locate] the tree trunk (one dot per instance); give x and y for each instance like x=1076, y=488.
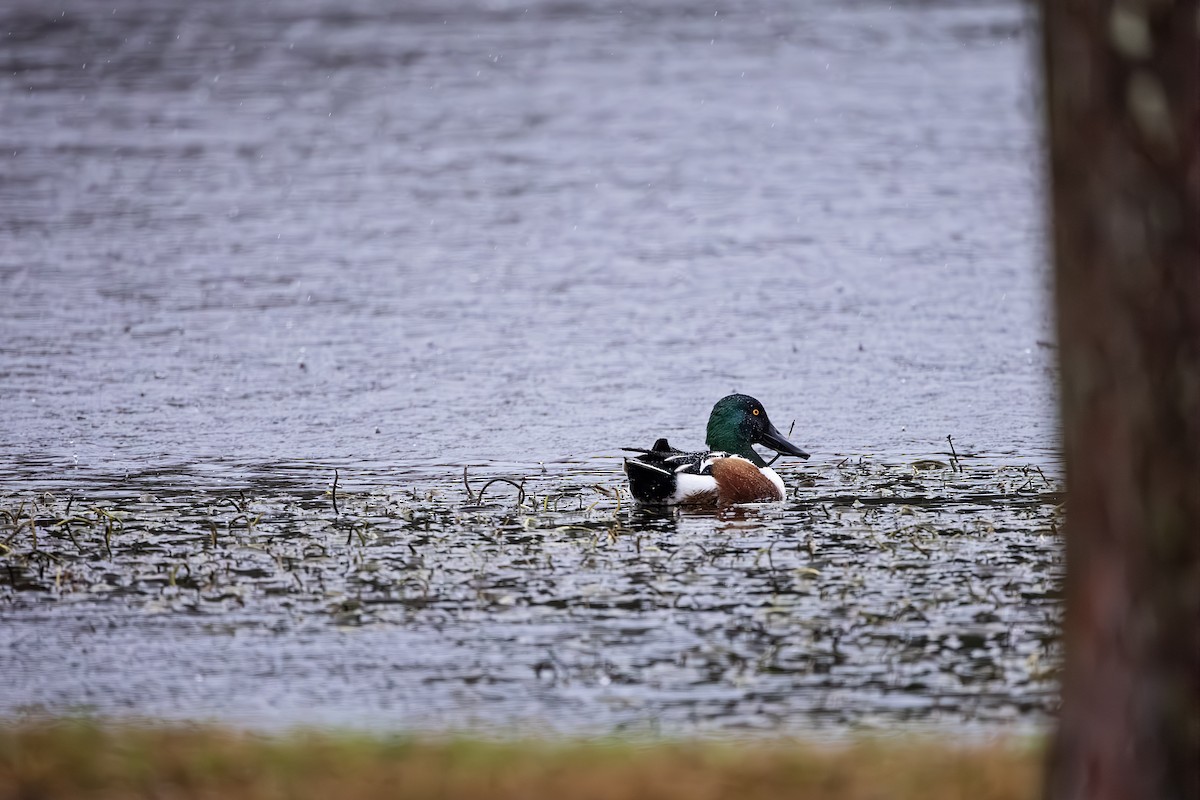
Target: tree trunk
x=1123, y=104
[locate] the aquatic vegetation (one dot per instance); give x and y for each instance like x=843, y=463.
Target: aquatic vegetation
x=921, y=592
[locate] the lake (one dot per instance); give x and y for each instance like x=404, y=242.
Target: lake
x=245, y=245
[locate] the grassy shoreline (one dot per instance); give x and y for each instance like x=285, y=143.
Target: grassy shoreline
x=85, y=759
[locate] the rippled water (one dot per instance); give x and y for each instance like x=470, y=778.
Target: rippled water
x=243, y=244
x=879, y=595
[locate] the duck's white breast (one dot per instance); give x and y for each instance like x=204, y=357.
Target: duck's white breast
x=773, y=476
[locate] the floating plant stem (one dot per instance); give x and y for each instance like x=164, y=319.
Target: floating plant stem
x=520, y=487
x=1044, y=478
x=953, y=454
x=467, y=484
x=334, y=493
x=777, y=455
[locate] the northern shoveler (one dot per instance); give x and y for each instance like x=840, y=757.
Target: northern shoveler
x=730, y=472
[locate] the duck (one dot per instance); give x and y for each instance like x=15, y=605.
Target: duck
x=729, y=472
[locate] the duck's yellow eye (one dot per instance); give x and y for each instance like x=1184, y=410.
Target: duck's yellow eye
x=755, y=412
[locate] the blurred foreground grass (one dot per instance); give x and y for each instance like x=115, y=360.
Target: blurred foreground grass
x=75, y=759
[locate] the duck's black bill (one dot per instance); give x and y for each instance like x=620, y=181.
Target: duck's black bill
x=774, y=440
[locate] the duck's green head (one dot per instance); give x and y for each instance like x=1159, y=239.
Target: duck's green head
x=739, y=421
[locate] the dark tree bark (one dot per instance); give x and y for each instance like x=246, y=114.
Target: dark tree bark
x=1123, y=103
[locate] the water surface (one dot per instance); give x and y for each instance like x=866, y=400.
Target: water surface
x=244, y=244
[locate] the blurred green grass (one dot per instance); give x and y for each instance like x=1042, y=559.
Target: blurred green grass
x=86, y=759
